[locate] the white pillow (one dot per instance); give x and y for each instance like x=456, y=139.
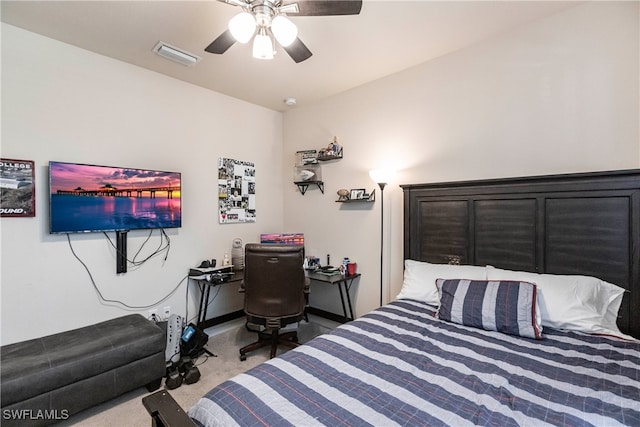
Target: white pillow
x=420, y=279
x=579, y=303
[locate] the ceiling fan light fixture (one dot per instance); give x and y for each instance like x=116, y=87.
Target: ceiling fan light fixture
x=262, y=45
x=242, y=27
x=267, y=21
x=284, y=30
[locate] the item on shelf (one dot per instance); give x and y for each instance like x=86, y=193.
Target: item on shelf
x=306, y=157
x=356, y=195
x=226, y=261
x=333, y=151
x=303, y=176
x=307, y=173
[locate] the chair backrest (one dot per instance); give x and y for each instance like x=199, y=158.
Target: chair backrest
x=274, y=283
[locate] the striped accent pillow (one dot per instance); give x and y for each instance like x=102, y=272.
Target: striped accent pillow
x=505, y=306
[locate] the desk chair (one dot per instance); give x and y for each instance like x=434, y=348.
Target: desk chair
x=274, y=293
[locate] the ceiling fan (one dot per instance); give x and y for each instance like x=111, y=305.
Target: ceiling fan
x=264, y=18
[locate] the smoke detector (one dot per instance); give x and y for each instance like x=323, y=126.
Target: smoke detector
x=290, y=102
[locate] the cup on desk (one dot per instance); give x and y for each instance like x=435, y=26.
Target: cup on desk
x=352, y=267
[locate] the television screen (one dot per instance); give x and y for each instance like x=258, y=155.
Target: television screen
x=90, y=198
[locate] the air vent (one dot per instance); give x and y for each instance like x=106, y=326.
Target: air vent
x=176, y=55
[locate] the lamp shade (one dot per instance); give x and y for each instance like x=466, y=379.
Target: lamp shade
x=381, y=176
x=262, y=46
x=284, y=30
x=242, y=27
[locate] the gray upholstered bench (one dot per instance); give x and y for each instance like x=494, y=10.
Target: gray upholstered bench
x=48, y=379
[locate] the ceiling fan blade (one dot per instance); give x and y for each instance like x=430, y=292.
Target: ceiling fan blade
x=240, y=3
x=222, y=43
x=327, y=7
x=298, y=51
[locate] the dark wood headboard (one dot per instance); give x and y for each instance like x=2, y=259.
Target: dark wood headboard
x=586, y=224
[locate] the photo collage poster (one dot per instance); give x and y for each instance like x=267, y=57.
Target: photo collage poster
x=236, y=191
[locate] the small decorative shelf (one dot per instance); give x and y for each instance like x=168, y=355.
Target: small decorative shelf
x=304, y=185
x=326, y=155
x=369, y=199
x=332, y=152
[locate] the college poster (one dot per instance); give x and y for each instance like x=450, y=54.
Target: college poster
x=17, y=188
x=236, y=191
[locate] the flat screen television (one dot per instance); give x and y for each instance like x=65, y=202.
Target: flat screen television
x=91, y=198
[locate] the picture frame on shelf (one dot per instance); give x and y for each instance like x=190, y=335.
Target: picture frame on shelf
x=357, y=193
x=306, y=157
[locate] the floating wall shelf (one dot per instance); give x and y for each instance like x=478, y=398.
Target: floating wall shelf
x=370, y=199
x=304, y=185
x=326, y=155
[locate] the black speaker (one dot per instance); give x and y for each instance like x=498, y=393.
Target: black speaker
x=192, y=343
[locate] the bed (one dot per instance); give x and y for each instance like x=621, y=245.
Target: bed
x=448, y=355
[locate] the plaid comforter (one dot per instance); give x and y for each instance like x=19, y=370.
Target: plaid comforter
x=398, y=365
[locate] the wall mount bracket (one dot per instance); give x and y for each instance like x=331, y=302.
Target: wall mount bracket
x=121, y=252
x=304, y=185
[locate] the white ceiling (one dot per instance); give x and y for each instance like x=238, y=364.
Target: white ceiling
x=348, y=51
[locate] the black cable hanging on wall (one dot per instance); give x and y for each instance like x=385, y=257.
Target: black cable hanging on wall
x=136, y=263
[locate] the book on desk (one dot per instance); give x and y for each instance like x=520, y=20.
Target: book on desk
x=326, y=271
x=329, y=273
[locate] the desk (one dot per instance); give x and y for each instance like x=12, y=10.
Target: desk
x=342, y=282
x=205, y=288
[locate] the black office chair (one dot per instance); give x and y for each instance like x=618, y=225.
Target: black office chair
x=274, y=286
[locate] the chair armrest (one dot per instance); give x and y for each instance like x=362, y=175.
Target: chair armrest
x=165, y=411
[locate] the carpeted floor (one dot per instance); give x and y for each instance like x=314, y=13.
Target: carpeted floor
x=127, y=410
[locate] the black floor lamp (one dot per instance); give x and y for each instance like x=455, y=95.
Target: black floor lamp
x=381, y=177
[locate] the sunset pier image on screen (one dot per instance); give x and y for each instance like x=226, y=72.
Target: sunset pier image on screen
x=91, y=198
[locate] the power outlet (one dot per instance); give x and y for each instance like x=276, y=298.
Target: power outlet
x=167, y=312
x=153, y=315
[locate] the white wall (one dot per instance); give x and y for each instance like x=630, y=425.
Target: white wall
x=560, y=95
x=67, y=104
x=557, y=96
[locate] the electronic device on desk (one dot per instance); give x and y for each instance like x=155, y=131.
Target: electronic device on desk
x=207, y=271
x=282, y=239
